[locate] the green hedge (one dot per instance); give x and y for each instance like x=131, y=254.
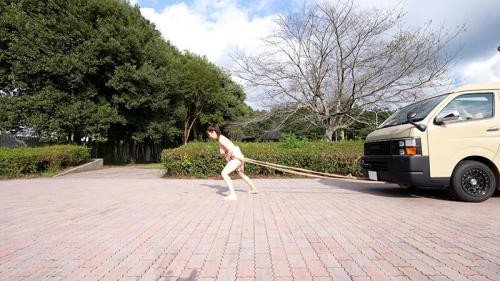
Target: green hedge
x=15, y=162
x=201, y=159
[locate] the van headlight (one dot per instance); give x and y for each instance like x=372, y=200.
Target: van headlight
x=409, y=147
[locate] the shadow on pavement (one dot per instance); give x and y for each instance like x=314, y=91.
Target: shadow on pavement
x=170, y=276
x=220, y=189
x=193, y=276
x=389, y=190
x=375, y=188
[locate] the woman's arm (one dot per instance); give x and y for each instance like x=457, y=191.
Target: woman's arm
x=229, y=154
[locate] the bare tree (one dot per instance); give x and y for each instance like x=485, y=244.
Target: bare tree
x=338, y=61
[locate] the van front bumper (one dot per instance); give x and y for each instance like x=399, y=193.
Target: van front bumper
x=404, y=170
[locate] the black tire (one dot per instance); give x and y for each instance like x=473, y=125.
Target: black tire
x=472, y=181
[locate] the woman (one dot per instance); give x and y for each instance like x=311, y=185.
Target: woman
x=235, y=161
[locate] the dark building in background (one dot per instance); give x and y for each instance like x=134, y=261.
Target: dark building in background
x=271, y=136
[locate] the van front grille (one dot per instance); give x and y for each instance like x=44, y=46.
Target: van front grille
x=378, y=148
x=375, y=165
x=389, y=147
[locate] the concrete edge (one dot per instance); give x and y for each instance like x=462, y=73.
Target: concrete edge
x=95, y=164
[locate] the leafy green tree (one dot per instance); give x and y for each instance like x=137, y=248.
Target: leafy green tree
x=91, y=68
x=209, y=95
x=96, y=70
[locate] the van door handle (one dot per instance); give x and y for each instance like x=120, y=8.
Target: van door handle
x=493, y=129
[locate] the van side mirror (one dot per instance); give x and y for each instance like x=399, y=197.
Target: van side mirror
x=411, y=117
x=446, y=116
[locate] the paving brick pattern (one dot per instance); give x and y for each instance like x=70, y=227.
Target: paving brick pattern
x=129, y=224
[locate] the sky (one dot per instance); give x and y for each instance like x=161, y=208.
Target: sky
x=215, y=27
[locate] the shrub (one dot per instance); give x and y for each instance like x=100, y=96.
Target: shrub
x=291, y=141
x=201, y=159
x=15, y=162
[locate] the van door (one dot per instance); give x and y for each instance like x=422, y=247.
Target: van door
x=475, y=133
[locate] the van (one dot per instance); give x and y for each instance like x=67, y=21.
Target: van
x=450, y=140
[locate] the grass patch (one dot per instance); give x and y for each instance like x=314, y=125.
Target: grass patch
x=152, y=166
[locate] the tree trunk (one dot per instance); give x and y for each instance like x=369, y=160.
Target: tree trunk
x=328, y=135
x=188, y=126
x=185, y=136
x=187, y=130
x=342, y=135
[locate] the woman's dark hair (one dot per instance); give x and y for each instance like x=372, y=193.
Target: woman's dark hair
x=214, y=128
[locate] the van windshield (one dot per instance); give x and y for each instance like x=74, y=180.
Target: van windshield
x=421, y=108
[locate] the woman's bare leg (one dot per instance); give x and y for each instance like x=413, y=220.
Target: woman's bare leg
x=253, y=189
x=230, y=167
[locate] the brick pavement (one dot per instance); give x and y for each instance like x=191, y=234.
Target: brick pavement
x=129, y=224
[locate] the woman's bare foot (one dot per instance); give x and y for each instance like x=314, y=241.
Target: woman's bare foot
x=253, y=191
x=231, y=197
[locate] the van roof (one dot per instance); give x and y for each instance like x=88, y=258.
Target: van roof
x=477, y=87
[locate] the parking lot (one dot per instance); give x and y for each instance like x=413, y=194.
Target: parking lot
x=131, y=224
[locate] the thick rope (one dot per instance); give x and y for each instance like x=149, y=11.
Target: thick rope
x=288, y=170
x=301, y=171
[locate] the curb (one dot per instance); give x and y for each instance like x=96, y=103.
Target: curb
x=95, y=164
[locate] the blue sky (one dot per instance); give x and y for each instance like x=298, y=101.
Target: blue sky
x=257, y=8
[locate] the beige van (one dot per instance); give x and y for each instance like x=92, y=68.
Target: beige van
x=450, y=140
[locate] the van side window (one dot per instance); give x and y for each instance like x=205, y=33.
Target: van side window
x=472, y=106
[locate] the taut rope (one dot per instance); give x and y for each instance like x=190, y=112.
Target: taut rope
x=301, y=171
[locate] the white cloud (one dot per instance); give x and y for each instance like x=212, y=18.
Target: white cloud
x=475, y=61
x=484, y=70
x=213, y=28
x=133, y=2
x=478, y=60
x=210, y=27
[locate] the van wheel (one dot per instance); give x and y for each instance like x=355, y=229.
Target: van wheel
x=472, y=181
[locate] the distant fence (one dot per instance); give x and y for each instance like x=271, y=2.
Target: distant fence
x=122, y=152
x=113, y=152
x=10, y=141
